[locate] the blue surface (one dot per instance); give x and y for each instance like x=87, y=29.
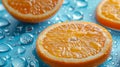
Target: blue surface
x=17, y=39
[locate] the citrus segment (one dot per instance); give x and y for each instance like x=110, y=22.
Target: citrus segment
x=32, y=11
x=75, y=44
x=108, y=13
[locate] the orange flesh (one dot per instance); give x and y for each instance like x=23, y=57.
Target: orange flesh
x=74, y=41
x=111, y=9
x=34, y=7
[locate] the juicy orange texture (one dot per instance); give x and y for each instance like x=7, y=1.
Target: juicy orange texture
x=74, y=41
x=34, y=7
x=74, y=44
x=108, y=13
x=32, y=11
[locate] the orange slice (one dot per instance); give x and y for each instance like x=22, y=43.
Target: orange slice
x=74, y=44
x=32, y=11
x=108, y=13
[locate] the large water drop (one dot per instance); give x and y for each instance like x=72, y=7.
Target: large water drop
x=26, y=38
x=19, y=62
x=4, y=48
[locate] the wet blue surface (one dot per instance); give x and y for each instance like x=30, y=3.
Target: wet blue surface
x=17, y=39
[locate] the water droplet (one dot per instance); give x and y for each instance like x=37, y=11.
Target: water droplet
x=29, y=28
x=19, y=62
x=70, y=9
x=66, y=18
x=2, y=62
x=26, y=38
x=49, y=22
x=21, y=50
x=6, y=30
x=116, y=54
x=2, y=35
x=4, y=47
x=90, y=15
x=1, y=7
x=81, y=3
x=7, y=57
x=113, y=63
x=110, y=58
x=32, y=64
x=4, y=22
x=66, y=2
x=77, y=15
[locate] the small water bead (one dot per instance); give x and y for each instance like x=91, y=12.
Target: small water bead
x=77, y=15
x=1, y=7
x=64, y=17
x=70, y=9
x=49, y=22
x=26, y=38
x=81, y=3
x=66, y=2
x=90, y=15
x=4, y=22
x=33, y=64
x=7, y=57
x=113, y=63
x=2, y=62
x=6, y=30
x=21, y=50
x=29, y=28
x=110, y=58
x=2, y=34
x=4, y=48
x=19, y=62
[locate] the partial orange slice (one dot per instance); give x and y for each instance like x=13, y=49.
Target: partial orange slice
x=108, y=13
x=32, y=11
x=74, y=44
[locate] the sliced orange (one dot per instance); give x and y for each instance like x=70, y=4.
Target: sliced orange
x=108, y=13
x=32, y=11
x=74, y=44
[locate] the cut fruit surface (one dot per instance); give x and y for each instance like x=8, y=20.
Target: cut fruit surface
x=32, y=10
x=74, y=44
x=108, y=13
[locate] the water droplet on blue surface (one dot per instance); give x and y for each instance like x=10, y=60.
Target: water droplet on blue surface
x=49, y=22
x=64, y=18
x=66, y=2
x=4, y=22
x=77, y=15
x=7, y=57
x=2, y=34
x=81, y=3
x=116, y=54
x=26, y=38
x=32, y=64
x=19, y=62
x=29, y=28
x=1, y=7
x=70, y=8
x=2, y=62
x=4, y=48
x=110, y=58
x=113, y=63
x=21, y=50
x=6, y=30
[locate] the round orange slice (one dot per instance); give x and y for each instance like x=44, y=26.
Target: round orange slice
x=108, y=13
x=32, y=11
x=74, y=44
